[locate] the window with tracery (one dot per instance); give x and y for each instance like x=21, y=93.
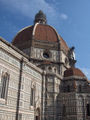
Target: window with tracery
x=19, y=116
x=32, y=96
x=68, y=88
x=88, y=109
x=64, y=110
x=4, y=85
x=80, y=88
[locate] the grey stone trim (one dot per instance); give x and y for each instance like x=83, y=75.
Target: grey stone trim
x=75, y=77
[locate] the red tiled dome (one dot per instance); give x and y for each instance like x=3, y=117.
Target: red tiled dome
x=63, y=44
x=40, y=32
x=45, y=32
x=24, y=35
x=73, y=72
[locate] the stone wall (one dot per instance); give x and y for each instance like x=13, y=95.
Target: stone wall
x=23, y=77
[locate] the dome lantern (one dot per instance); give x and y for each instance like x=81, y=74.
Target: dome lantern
x=40, y=17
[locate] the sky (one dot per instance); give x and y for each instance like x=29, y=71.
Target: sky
x=70, y=18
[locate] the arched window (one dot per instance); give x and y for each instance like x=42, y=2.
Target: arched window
x=37, y=114
x=50, y=69
x=32, y=96
x=80, y=88
x=4, y=85
x=66, y=61
x=88, y=109
x=80, y=101
x=64, y=110
x=19, y=116
x=88, y=105
x=55, y=70
x=68, y=88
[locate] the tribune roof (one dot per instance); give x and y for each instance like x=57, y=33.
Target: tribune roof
x=73, y=72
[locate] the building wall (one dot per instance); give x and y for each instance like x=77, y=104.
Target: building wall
x=66, y=106
x=37, y=53
x=22, y=78
x=82, y=100
x=52, y=91
x=73, y=99
x=50, y=101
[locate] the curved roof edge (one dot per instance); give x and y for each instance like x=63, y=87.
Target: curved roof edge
x=33, y=33
x=73, y=72
x=45, y=25
x=59, y=38
x=21, y=31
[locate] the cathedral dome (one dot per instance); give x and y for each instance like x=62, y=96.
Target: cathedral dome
x=73, y=72
x=45, y=32
x=23, y=35
x=41, y=32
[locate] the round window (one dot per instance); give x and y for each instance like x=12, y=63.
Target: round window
x=46, y=55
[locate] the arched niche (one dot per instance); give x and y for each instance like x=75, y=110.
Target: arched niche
x=37, y=114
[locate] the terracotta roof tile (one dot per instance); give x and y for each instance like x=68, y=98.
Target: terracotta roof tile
x=39, y=32
x=63, y=44
x=73, y=72
x=45, y=32
x=23, y=35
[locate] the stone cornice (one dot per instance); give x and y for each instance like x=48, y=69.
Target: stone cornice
x=75, y=78
x=54, y=74
x=13, y=47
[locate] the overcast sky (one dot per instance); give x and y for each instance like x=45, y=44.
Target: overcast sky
x=71, y=19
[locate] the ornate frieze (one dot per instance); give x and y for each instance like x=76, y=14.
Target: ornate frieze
x=5, y=56
x=32, y=72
